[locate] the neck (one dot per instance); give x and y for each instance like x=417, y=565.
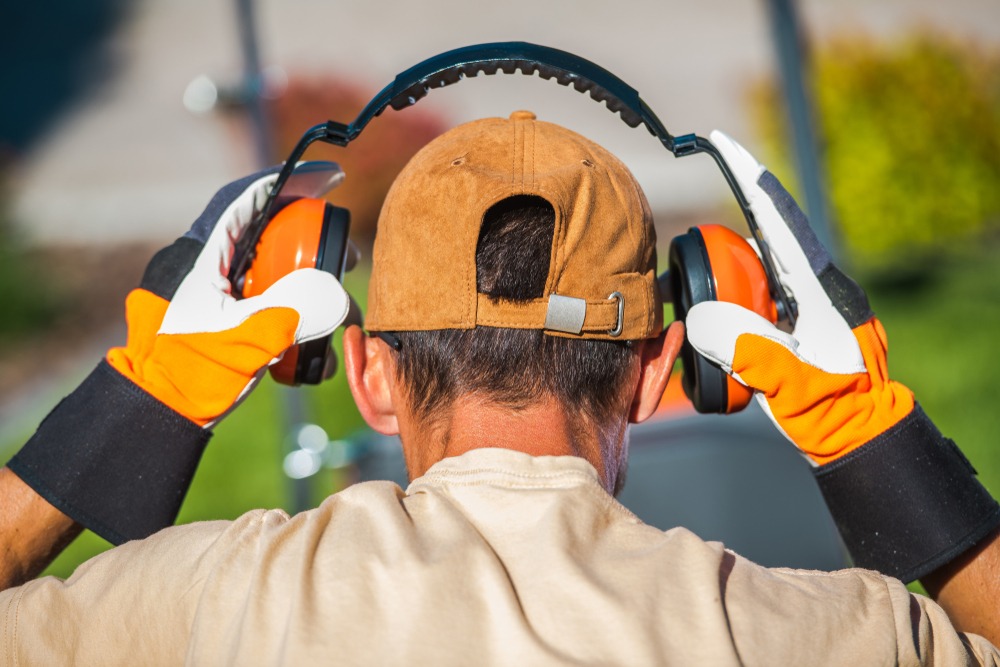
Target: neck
x=539, y=429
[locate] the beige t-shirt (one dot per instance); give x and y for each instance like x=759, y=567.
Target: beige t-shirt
x=494, y=557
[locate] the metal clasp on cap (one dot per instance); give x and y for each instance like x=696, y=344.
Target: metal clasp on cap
x=617, y=331
x=566, y=314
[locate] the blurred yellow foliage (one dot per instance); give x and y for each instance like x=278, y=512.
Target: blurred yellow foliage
x=911, y=134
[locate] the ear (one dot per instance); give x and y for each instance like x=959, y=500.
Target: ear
x=370, y=375
x=657, y=361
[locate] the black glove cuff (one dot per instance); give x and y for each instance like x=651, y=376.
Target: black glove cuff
x=907, y=502
x=113, y=458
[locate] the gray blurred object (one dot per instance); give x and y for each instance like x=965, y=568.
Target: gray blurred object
x=251, y=64
x=295, y=407
x=294, y=413
x=790, y=45
x=735, y=479
x=729, y=478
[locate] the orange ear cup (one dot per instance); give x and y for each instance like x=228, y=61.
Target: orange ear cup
x=739, y=278
x=290, y=241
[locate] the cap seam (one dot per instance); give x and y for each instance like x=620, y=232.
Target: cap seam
x=532, y=155
x=513, y=156
x=643, y=239
x=560, y=258
x=524, y=157
x=650, y=315
x=380, y=283
x=644, y=243
x=472, y=315
x=545, y=300
x=601, y=314
x=503, y=190
x=471, y=286
x=551, y=279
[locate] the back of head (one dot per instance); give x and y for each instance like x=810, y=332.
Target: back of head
x=515, y=260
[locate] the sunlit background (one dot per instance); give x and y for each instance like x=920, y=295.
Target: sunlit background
x=119, y=119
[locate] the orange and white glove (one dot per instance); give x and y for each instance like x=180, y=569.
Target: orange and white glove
x=192, y=345
x=118, y=454
x=904, y=497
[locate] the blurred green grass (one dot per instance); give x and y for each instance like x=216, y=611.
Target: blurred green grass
x=27, y=300
x=241, y=469
x=943, y=330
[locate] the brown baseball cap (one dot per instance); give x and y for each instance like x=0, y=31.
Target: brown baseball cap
x=602, y=274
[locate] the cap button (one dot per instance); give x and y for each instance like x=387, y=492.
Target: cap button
x=522, y=115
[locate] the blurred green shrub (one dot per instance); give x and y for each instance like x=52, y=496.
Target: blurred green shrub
x=912, y=143
x=27, y=302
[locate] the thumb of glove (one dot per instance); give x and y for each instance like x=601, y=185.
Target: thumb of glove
x=714, y=329
x=317, y=296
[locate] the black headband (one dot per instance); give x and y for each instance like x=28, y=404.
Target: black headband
x=508, y=57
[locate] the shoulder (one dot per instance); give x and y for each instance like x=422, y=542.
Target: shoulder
x=218, y=537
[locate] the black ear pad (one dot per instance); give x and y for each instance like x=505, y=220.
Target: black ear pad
x=316, y=359
x=312, y=360
x=691, y=282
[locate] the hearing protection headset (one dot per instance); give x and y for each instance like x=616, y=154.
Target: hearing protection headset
x=308, y=233
x=708, y=263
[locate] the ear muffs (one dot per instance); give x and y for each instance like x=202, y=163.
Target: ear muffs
x=714, y=263
x=308, y=233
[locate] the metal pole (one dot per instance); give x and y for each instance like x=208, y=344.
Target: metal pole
x=291, y=397
x=295, y=415
x=791, y=51
x=252, y=80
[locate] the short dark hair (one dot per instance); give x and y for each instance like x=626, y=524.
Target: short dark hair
x=515, y=367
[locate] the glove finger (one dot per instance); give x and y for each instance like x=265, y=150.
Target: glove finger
x=144, y=312
x=317, y=296
x=717, y=325
x=212, y=264
x=830, y=304
x=782, y=223
x=797, y=269
x=714, y=327
x=320, y=301
x=201, y=374
x=247, y=190
x=769, y=361
x=235, y=206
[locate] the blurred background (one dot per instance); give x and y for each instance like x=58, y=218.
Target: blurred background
x=120, y=119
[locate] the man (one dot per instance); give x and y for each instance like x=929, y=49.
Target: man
x=516, y=332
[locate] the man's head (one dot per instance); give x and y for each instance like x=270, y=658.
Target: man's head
x=514, y=271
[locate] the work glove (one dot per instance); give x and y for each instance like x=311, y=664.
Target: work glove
x=192, y=345
x=904, y=497
x=118, y=454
